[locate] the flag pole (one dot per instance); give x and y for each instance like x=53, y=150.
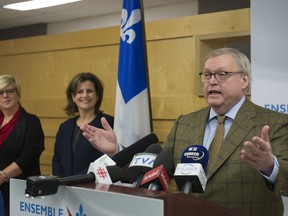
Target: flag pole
x=146, y=63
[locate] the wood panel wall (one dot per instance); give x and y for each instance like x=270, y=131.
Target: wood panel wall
x=45, y=64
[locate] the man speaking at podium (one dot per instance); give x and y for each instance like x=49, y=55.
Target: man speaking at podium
x=248, y=171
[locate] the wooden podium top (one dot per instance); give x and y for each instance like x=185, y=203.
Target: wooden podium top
x=175, y=203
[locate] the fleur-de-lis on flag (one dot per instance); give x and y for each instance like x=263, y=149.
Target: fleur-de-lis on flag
x=127, y=34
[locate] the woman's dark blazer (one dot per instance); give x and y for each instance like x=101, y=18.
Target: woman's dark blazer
x=64, y=163
x=23, y=146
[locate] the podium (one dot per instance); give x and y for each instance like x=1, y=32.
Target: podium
x=175, y=204
x=182, y=204
x=111, y=200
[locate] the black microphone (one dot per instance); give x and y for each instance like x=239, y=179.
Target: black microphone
x=143, y=162
x=189, y=174
x=116, y=173
x=154, y=148
x=98, y=174
x=48, y=185
x=159, y=177
x=123, y=157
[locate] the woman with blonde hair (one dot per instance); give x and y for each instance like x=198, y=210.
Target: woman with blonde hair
x=21, y=138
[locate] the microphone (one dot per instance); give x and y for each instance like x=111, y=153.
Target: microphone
x=154, y=148
x=159, y=178
x=97, y=172
x=48, y=185
x=143, y=162
x=115, y=172
x=196, y=154
x=123, y=157
x=105, y=160
x=189, y=174
x=105, y=174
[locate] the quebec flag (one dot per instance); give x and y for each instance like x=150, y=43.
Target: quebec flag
x=132, y=108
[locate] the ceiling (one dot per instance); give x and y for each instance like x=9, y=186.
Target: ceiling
x=76, y=10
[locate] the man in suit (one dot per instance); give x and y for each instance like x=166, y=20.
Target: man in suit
x=250, y=171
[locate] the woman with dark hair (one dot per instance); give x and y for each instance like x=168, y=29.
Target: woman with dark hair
x=73, y=153
x=21, y=138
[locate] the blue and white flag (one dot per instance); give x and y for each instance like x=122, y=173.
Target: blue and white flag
x=132, y=109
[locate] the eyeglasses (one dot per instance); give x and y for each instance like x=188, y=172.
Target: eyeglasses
x=7, y=91
x=221, y=76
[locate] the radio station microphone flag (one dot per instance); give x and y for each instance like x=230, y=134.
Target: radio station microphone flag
x=132, y=108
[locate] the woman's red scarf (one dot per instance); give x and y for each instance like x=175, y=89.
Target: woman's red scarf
x=6, y=129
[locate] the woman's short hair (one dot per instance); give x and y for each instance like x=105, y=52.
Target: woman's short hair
x=9, y=80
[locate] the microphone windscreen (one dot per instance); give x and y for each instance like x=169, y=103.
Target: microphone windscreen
x=116, y=173
x=154, y=148
x=142, y=162
x=125, y=156
x=196, y=154
x=166, y=159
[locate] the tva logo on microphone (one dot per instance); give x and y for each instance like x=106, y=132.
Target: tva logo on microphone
x=143, y=159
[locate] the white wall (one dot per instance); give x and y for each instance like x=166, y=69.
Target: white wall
x=269, y=33
x=151, y=14
x=269, y=52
